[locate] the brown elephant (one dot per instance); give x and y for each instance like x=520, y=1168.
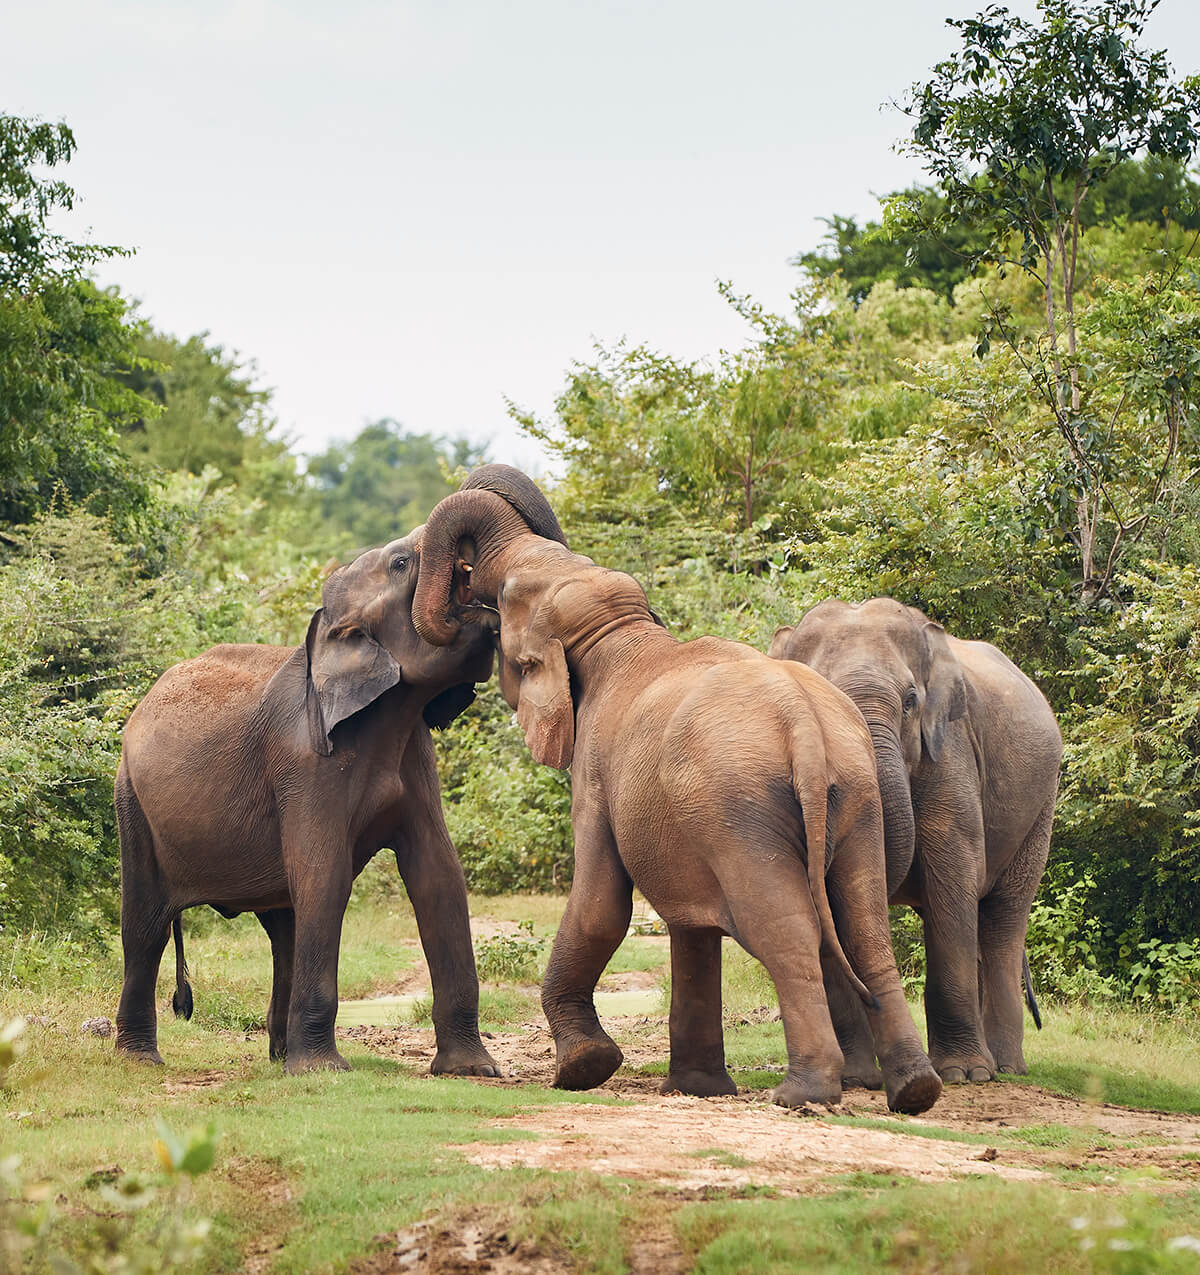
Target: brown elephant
x=700, y=771
x=264, y=778
x=968, y=753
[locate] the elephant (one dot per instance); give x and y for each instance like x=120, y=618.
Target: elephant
x=264, y=778
x=725, y=785
x=968, y=754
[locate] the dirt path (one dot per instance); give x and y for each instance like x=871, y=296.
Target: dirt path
x=687, y=1145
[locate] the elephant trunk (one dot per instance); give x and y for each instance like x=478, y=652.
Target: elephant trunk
x=490, y=523
x=899, y=828
x=522, y=493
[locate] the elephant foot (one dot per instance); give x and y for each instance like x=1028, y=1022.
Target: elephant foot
x=800, y=1091
x=862, y=1079
x=954, y=1075
x=298, y=1064
x=277, y=1053
x=586, y=1063
x=150, y=1056
x=699, y=1084
x=913, y=1088
x=460, y=1061
x=1012, y=1069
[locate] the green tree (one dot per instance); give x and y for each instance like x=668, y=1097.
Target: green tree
x=209, y=412
x=385, y=481
x=61, y=340
x=1017, y=129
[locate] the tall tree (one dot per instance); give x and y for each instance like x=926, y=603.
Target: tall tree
x=1018, y=128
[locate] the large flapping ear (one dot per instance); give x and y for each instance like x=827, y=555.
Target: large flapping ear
x=444, y=708
x=347, y=670
x=545, y=709
x=777, y=649
x=945, y=690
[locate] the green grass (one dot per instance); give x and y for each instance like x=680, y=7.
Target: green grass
x=365, y=1153
x=962, y=1226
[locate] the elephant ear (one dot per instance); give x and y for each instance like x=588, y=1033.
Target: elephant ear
x=945, y=691
x=444, y=708
x=779, y=642
x=347, y=670
x=545, y=709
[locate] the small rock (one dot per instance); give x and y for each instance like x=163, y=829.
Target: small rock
x=97, y=1027
x=988, y=1153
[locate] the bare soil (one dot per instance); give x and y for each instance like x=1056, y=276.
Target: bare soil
x=689, y=1145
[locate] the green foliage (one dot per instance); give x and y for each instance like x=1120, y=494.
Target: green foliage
x=384, y=482
x=508, y=817
x=514, y=958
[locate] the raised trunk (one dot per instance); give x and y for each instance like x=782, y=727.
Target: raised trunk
x=489, y=523
x=899, y=828
x=522, y=493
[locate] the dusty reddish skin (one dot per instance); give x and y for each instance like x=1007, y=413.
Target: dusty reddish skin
x=968, y=754
x=690, y=763
x=225, y=797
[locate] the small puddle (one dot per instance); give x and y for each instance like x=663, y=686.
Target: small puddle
x=388, y=1011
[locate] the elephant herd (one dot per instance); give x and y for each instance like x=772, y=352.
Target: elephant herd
x=780, y=799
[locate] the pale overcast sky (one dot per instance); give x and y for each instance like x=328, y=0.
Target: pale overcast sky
x=419, y=209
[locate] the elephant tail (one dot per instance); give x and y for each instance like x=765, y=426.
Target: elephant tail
x=1030, y=998
x=813, y=797
x=181, y=1000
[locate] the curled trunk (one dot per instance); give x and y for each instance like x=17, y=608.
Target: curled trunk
x=522, y=493
x=480, y=518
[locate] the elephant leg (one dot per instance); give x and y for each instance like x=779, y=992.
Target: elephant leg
x=774, y=919
x=145, y=928
x=320, y=889
x=437, y=890
x=594, y=923
x=957, y=1044
x=697, y=1039
x=858, y=899
x=1003, y=920
x=280, y=925
x=853, y=1029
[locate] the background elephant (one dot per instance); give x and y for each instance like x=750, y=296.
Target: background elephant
x=263, y=778
x=968, y=753
x=700, y=771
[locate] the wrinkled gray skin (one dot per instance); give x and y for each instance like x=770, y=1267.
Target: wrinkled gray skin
x=967, y=752
x=263, y=778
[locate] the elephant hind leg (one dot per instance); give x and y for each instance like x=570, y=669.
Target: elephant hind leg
x=775, y=920
x=1003, y=921
x=280, y=925
x=697, y=1038
x=145, y=926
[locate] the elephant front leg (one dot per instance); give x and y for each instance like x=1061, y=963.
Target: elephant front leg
x=697, y=1039
x=957, y=1045
x=595, y=922
x=320, y=892
x=437, y=890
x=280, y=925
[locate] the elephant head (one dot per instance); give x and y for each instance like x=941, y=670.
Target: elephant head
x=897, y=667
x=479, y=550
x=361, y=643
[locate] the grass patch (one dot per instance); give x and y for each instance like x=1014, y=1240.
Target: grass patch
x=911, y=1227
x=730, y=1159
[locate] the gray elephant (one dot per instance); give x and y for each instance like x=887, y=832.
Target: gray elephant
x=968, y=753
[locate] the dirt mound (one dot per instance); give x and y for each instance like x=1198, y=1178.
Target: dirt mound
x=458, y=1246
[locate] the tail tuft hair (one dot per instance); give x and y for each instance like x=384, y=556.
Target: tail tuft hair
x=181, y=1000
x=1030, y=998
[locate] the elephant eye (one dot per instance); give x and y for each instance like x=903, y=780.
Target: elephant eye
x=910, y=699
x=399, y=562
